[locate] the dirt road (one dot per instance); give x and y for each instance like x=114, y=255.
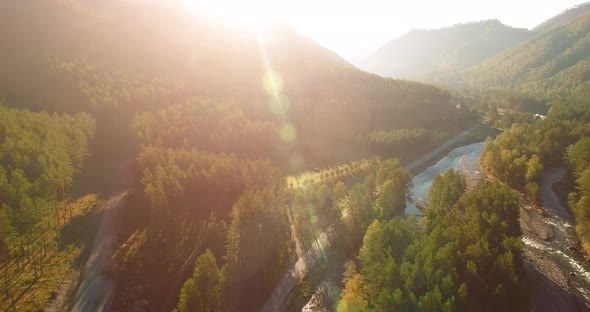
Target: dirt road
x=96, y=289
x=304, y=262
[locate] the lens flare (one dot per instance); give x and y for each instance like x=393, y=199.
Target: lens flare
x=288, y=133
x=279, y=105
x=272, y=82
x=253, y=16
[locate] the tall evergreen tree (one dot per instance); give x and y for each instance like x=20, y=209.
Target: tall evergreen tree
x=203, y=291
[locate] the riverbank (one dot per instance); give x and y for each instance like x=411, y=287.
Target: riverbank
x=477, y=133
x=548, y=284
x=327, y=285
x=549, y=260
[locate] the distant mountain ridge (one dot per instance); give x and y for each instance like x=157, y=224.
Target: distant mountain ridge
x=564, y=17
x=421, y=53
x=552, y=60
x=554, y=63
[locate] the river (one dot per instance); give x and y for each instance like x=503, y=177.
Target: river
x=551, y=253
x=464, y=158
x=557, y=275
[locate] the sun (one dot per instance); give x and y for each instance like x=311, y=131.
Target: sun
x=252, y=15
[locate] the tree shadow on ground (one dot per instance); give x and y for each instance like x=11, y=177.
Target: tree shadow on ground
x=79, y=232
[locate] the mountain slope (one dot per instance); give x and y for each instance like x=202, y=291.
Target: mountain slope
x=421, y=53
x=141, y=40
x=134, y=57
x=151, y=42
x=207, y=116
x=564, y=17
x=556, y=62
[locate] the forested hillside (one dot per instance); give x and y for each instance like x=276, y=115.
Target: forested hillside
x=550, y=61
x=211, y=119
x=422, y=54
x=554, y=63
x=564, y=17
x=255, y=158
x=135, y=58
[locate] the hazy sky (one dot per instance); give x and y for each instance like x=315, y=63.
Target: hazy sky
x=355, y=29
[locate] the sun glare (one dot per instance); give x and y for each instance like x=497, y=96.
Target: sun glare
x=256, y=15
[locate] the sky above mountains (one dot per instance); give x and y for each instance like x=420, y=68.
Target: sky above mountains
x=355, y=29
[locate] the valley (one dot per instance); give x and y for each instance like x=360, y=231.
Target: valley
x=185, y=156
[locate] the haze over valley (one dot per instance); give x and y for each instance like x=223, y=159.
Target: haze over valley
x=267, y=156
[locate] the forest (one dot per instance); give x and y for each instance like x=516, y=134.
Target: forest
x=209, y=153
x=213, y=151
x=241, y=153
x=553, y=63
x=519, y=155
x=249, y=230
x=387, y=142
x=464, y=254
x=40, y=154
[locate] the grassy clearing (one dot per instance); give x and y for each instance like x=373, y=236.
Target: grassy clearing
x=33, y=281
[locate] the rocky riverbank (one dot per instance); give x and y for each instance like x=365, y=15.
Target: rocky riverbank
x=556, y=273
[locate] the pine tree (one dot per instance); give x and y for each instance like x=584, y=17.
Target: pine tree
x=203, y=291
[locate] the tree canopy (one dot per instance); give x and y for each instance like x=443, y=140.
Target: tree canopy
x=468, y=259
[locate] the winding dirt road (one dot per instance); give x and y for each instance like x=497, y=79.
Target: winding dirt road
x=96, y=289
